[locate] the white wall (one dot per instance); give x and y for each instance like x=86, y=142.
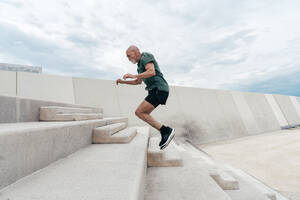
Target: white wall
x=201, y=114
x=8, y=83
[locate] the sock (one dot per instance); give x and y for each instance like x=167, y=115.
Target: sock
x=163, y=129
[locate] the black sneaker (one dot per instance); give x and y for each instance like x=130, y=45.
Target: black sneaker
x=166, y=138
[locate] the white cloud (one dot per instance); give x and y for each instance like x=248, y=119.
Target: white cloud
x=209, y=44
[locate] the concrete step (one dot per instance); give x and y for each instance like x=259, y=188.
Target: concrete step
x=112, y=135
x=109, y=130
x=188, y=182
x=107, y=171
x=224, y=180
x=247, y=191
x=29, y=146
x=255, y=184
x=123, y=136
x=169, y=157
x=55, y=113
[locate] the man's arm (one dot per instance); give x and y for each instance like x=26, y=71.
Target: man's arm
x=131, y=82
x=150, y=71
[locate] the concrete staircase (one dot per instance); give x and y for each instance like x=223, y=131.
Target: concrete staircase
x=200, y=177
x=106, y=171
x=77, y=153
x=63, y=158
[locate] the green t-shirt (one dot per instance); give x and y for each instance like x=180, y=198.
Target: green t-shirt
x=154, y=81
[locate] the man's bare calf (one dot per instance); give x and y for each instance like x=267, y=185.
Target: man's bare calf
x=143, y=112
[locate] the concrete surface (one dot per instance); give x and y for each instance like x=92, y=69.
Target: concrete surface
x=176, y=183
x=55, y=113
x=17, y=109
x=168, y=157
x=97, y=93
x=8, y=83
x=277, y=111
x=296, y=105
x=231, y=113
x=262, y=112
x=103, y=134
x=272, y=158
x=110, y=172
x=224, y=180
x=245, y=113
x=211, y=115
x=288, y=109
x=45, y=87
x=27, y=147
x=204, y=118
x=123, y=136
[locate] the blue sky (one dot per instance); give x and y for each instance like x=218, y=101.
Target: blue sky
x=225, y=44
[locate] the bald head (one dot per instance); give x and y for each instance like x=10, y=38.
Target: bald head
x=133, y=48
x=133, y=54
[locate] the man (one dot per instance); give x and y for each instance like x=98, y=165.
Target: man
x=157, y=87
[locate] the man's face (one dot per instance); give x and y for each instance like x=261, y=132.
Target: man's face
x=131, y=56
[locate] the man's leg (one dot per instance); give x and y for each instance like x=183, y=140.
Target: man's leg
x=143, y=112
x=167, y=133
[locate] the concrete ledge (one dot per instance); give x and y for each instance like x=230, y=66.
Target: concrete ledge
x=168, y=157
x=108, y=130
x=28, y=147
x=124, y=136
x=224, y=180
x=19, y=109
x=55, y=113
x=108, y=172
x=120, y=137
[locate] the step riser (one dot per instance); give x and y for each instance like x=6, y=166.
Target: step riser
x=53, y=113
x=117, y=138
x=168, y=157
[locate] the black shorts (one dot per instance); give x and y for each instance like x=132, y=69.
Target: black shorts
x=156, y=97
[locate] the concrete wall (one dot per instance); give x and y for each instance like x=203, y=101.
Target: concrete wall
x=8, y=83
x=277, y=111
x=202, y=115
x=288, y=109
x=45, y=87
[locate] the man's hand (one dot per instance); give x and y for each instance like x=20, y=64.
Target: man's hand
x=128, y=76
x=119, y=81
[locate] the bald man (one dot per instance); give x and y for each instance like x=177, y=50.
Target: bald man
x=157, y=87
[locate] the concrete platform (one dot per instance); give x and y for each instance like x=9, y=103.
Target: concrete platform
x=118, y=137
x=91, y=173
x=169, y=157
x=55, y=113
x=224, y=180
x=273, y=158
x=191, y=181
x=28, y=147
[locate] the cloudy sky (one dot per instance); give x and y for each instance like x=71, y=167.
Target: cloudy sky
x=240, y=45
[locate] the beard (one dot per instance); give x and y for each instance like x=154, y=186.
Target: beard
x=133, y=61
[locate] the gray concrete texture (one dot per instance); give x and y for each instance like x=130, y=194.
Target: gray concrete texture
x=288, y=109
x=277, y=111
x=110, y=172
x=202, y=115
x=18, y=109
x=272, y=158
x=27, y=147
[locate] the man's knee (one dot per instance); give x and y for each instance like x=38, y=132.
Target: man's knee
x=138, y=113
